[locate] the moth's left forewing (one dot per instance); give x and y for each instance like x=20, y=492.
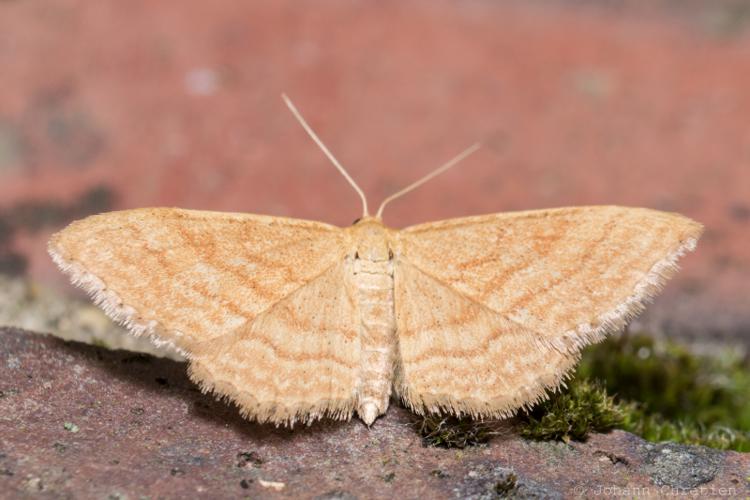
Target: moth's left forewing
x=549, y=281
x=193, y=274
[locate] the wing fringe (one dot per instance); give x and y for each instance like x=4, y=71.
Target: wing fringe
x=499, y=408
x=277, y=414
x=112, y=305
x=615, y=320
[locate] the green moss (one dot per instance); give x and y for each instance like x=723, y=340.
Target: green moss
x=665, y=378
x=452, y=432
x=662, y=392
x=655, y=428
x=658, y=390
x=584, y=407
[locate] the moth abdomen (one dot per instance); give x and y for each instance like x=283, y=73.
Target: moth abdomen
x=374, y=284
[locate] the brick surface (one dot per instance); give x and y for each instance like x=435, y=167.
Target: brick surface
x=78, y=421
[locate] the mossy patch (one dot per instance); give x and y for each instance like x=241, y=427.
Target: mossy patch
x=669, y=380
x=658, y=390
x=453, y=432
x=572, y=414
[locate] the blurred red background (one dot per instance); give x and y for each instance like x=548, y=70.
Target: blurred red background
x=109, y=105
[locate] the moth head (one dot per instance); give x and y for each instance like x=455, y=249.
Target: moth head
x=367, y=219
x=371, y=241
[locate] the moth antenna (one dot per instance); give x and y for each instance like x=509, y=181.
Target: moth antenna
x=298, y=116
x=455, y=160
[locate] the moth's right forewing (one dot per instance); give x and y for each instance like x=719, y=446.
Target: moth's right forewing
x=571, y=274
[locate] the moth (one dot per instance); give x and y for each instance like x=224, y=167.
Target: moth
x=296, y=320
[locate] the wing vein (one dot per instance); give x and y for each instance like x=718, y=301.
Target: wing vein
x=450, y=287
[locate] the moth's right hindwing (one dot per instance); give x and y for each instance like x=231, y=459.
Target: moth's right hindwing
x=457, y=356
x=508, y=300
